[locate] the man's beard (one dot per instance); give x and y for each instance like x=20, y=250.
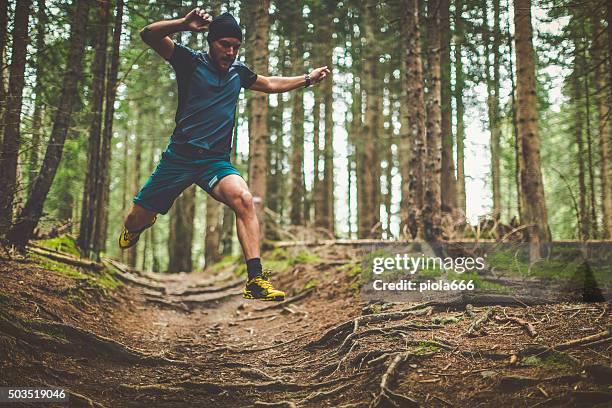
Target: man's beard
x=218, y=60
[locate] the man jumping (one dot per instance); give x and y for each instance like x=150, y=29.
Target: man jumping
x=209, y=84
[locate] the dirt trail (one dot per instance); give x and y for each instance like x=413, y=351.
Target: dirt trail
x=187, y=340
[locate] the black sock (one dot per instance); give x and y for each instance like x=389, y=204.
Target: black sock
x=254, y=267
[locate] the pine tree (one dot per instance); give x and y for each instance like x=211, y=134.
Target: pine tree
x=258, y=120
x=432, y=230
x=527, y=123
x=12, y=135
x=28, y=218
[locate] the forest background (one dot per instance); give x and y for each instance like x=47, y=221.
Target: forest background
x=441, y=120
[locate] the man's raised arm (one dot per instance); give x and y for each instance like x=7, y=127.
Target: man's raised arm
x=156, y=34
x=276, y=84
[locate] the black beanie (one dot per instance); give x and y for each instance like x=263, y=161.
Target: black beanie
x=224, y=25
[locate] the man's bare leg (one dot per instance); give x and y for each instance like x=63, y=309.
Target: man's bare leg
x=138, y=218
x=233, y=191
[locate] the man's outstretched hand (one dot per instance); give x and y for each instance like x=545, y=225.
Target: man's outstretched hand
x=319, y=74
x=197, y=20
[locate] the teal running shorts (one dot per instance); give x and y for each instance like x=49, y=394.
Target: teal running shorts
x=175, y=172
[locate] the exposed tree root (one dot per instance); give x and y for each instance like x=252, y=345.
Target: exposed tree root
x=604, y=335
x=385, y=394
x=279, y=404
x=523, y=323
x=351, y=326
x=256, y=374
x=319, y=395
x=285, y=302
x=476, y=324
x=272, y=346
x=65, y=258
x=208, y=301
x=70, y=340
x=125, y=275
x=209, y=289
x=80, y=397
x=460, y=302
x=269, y=386
x=385, y=331
x=155, y=389
x=167, y=303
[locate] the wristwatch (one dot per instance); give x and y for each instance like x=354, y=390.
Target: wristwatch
x=307, y=79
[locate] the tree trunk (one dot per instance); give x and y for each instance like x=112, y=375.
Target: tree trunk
x=583, y=215
x=29, y=216
x=103, y=182
x=587, y=108
x=459, y=85
x=213, y=232
x=180, y=241
x=603, y=109
x=448, y=179
x=317, y=187
x=38, y=102
x=327, y=184
x=432, y=205
x=98, y=69
x=371, y=126
x=132, y=253
x=258, y=120
x=527, y=122
x=493, y=101
x=415, y=108
x=12, y=118
x=518, y=155
x=298, y=188
x=3, y=39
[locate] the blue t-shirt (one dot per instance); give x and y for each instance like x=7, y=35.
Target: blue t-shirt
x=207, y=99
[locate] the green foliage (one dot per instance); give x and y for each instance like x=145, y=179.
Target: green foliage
x=427, y=347
x=312, y=283
x=304, y=257
x=351, y=269
x=64, y=243
x=551, y=359
x=563, y=264
x=444, y=320
x=104, y=279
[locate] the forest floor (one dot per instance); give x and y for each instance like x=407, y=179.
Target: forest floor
x=120, y=338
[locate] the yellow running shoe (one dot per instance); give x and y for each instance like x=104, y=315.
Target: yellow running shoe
x=260, y=288
x=128, y=239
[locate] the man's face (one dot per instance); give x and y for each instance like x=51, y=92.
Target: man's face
x=224, y=51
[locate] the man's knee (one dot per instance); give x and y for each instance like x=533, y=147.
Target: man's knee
x=242, y=202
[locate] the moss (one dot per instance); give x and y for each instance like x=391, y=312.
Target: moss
x=107, y=280
x=426, y=347
x=304, y=257
x=277, y=254
x=564, y=263
x=225, y=262
x=552, y=359
x=351, y=269
x=444, y=320
x=64, y=243
x=241, y=270
x=431, y=272
x=312, y=283
x=103, y=279
x=56, y=266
